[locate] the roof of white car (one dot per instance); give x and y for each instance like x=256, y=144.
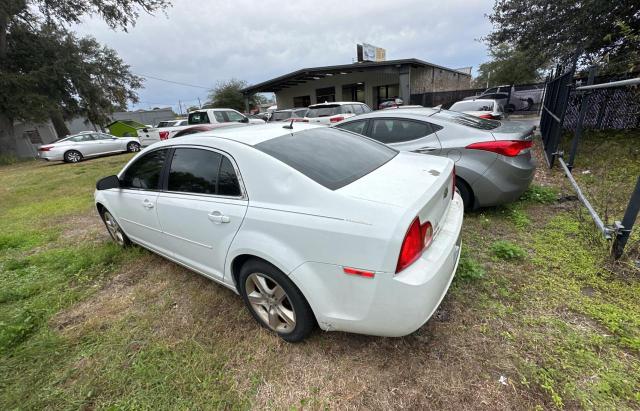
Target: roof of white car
x=250, y=135
x=482, y=100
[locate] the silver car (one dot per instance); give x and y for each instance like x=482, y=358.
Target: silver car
x=86, y=144
x=493, y=158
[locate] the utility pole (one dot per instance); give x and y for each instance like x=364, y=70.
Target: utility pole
x=180, y=105
x=199, y=102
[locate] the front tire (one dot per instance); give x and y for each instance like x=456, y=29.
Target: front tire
x=133, y=147
x=274, y=301
x=72, y=156
x=114, y=229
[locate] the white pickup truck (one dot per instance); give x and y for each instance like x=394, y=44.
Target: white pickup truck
x=519, y=100
x=214, y=117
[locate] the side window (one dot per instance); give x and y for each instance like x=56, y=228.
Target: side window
x=357, y=108
x=219, y=117
x=390, y=131
x=144, y=174
x=354, y=126
x=491, y=90
x=199, y=117
x=227, y=179
x=194, y=171
x=234, y=116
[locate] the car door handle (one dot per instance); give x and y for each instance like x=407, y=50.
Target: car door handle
x=147, y=204
x=218, y=218
x=424, y=150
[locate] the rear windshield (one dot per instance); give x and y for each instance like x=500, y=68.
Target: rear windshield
x=281, y=115
x=472, y=106
x=467, y=120
x=327, y=156
x=198, y=117
x=324, y=111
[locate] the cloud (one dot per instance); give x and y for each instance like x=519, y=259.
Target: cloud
x=203, y=42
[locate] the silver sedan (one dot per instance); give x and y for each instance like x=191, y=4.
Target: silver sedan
x=493, y=158
x=77, y=147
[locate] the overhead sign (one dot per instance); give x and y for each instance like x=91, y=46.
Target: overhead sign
x=368, y=52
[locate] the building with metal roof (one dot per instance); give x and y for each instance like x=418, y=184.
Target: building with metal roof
x=366, y=82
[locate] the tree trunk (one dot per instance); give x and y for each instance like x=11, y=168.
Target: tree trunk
x=7, y=136
x=59, y=124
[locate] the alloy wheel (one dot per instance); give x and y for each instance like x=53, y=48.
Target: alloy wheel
x=114, y=228
x=270, y=302
x=134, y=147
x=74, y=157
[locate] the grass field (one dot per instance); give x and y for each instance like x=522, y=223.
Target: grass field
x=538, y=315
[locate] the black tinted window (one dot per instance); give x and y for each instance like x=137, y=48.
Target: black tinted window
x=353, y=126
x=395, y=131
x=145, y=172
x=194, y=171
x=227, y=179
x=198, y=118
x=327, y=156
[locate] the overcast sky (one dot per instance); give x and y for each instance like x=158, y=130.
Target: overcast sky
x=202, y=42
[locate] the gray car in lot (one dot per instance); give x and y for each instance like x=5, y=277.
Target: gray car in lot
x=493, y=158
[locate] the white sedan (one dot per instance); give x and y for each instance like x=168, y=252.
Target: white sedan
x=310, y=225
x=75, y=148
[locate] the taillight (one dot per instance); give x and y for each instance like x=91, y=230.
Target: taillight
x=336, y=119
x=356, y=271
x=418, y=238
x=487, y=116
x=164, y=135
x=509, y=148
x=45, y=148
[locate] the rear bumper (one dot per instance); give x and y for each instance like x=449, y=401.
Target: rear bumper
x=49, y=156
x=389, y=304
x=504, y=181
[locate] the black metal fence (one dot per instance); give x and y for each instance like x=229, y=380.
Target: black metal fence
x=446, y=98
x=604, y=105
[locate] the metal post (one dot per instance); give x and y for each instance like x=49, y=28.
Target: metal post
x=584, y=106
x=630, y=215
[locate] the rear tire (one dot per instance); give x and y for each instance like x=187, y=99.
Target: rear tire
x=465, y=193
x=274, y=301
x=133, y=147
x=72, y=156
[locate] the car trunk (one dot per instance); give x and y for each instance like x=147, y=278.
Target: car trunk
x=513, y=130
x=415, y=184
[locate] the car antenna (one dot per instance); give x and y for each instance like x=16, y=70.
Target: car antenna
x=290, y=126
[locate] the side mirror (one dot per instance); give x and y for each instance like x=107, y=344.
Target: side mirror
x=108, y=183
x=245, y=120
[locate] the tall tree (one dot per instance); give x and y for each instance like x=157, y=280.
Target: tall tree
x=509, y=66
x=228, y=94
x=607, y=31
x=46, y=71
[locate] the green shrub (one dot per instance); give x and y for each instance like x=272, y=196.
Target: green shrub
x=469, y=269
x=506, y=250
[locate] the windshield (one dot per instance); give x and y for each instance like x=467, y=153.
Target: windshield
x=472, y=106
x=329, y=157
x=467, y=120
x=323, y=111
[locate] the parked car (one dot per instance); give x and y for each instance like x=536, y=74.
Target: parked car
x=483, y=108
x=217, y=117
x=390, y=103
x=512, y=99
x=295, y=114
x=493, y=158
x=77, y=147
x=328, y=113
x=310, y=225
